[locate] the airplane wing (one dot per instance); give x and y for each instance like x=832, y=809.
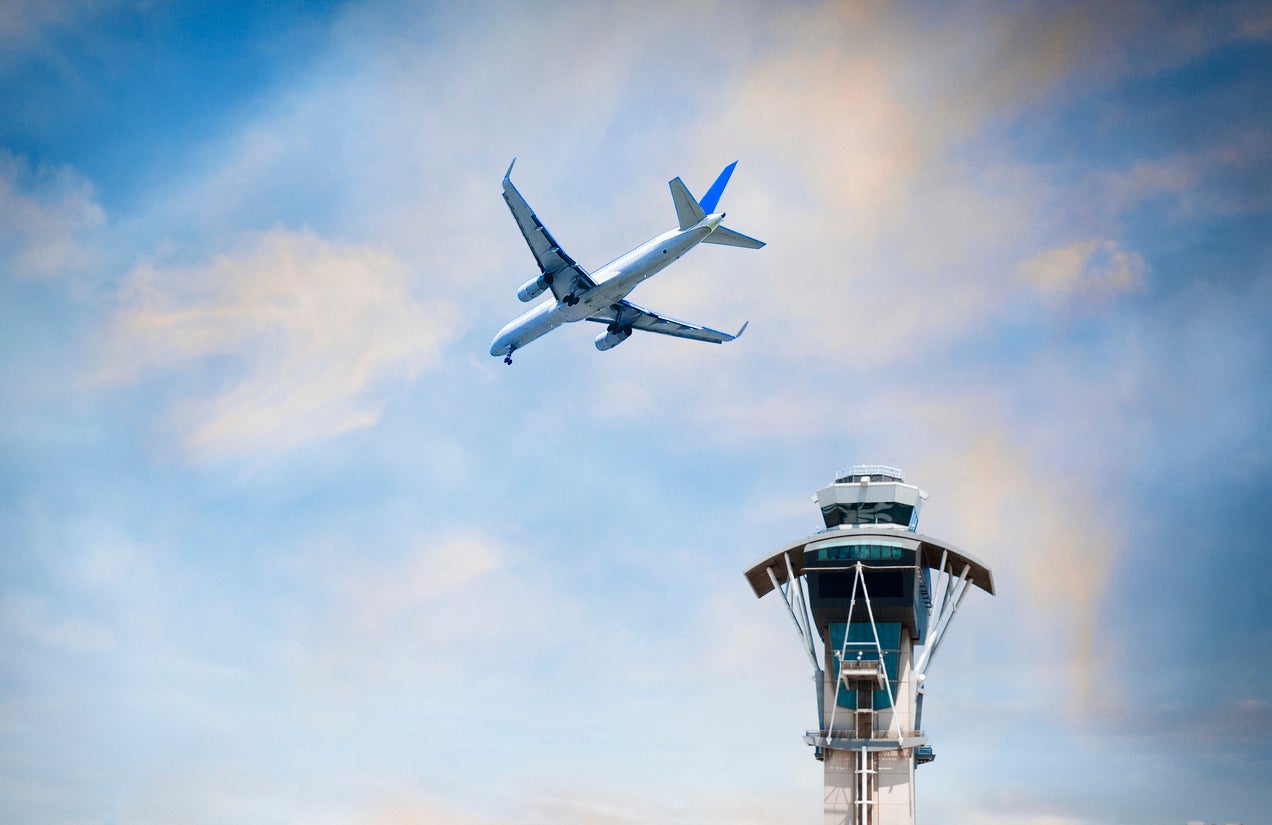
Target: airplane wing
x=625, y=313
x=566, y=275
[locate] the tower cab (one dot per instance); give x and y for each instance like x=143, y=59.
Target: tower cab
x=870, y=495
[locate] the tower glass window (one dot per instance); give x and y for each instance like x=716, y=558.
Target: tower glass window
x=867, y=512
x=858, y=551
x=861, y=646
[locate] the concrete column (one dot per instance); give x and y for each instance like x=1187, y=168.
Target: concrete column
x=841, y=787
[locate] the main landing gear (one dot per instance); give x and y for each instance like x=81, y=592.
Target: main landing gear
x=570, y=300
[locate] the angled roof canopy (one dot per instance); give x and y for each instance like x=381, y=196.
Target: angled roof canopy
x=930, y=552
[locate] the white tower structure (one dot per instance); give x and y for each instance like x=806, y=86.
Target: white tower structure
x=871, y=599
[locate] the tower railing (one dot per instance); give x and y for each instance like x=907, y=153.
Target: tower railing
x=881, y=735
x=870, y=470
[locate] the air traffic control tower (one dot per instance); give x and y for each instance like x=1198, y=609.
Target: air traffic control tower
x=872, y=599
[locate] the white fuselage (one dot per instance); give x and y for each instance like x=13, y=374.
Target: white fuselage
x=613, y=283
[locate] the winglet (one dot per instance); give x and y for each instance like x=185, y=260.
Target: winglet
x=712, y=198
x=508, y=174
x=744, y=326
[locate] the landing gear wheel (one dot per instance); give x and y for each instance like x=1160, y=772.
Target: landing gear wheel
x=508, y=359
x=570, y=300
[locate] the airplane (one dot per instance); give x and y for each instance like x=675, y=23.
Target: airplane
x=601, y=296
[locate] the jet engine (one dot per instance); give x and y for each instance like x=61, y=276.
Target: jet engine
x=534, y=288
x=612, y=337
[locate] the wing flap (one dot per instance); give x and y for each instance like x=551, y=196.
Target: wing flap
x=625, y=313
x=566, y=275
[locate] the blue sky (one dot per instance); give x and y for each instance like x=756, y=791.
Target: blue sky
x=282, y=543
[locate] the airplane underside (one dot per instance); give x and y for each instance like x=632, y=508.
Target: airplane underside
x=577, y=295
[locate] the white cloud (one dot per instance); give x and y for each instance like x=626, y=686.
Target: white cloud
x=45, y=212
x=1092, y=271
x=312, y=328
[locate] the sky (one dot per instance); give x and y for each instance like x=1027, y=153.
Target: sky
x=282, y=543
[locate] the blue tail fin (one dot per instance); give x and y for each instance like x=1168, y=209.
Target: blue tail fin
x=712, y=198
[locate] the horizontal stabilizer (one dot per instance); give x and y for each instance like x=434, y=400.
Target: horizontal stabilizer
x=727, y=237
x=688, y=212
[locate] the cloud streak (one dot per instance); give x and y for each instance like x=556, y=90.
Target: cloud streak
x=1093, y=270
x=312, y=330
x=45, y=214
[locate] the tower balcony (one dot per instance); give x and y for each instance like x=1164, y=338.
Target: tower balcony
x=880, y=741
x=856, y=671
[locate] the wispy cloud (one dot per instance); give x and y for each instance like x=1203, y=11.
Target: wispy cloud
x=25, y=23
x=1020, y=518
x=30, y=618
x=373, y=597
x=311, y=330
x=1091, y=271
x=435, y=608
x=45, y=214
x=919, y=245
